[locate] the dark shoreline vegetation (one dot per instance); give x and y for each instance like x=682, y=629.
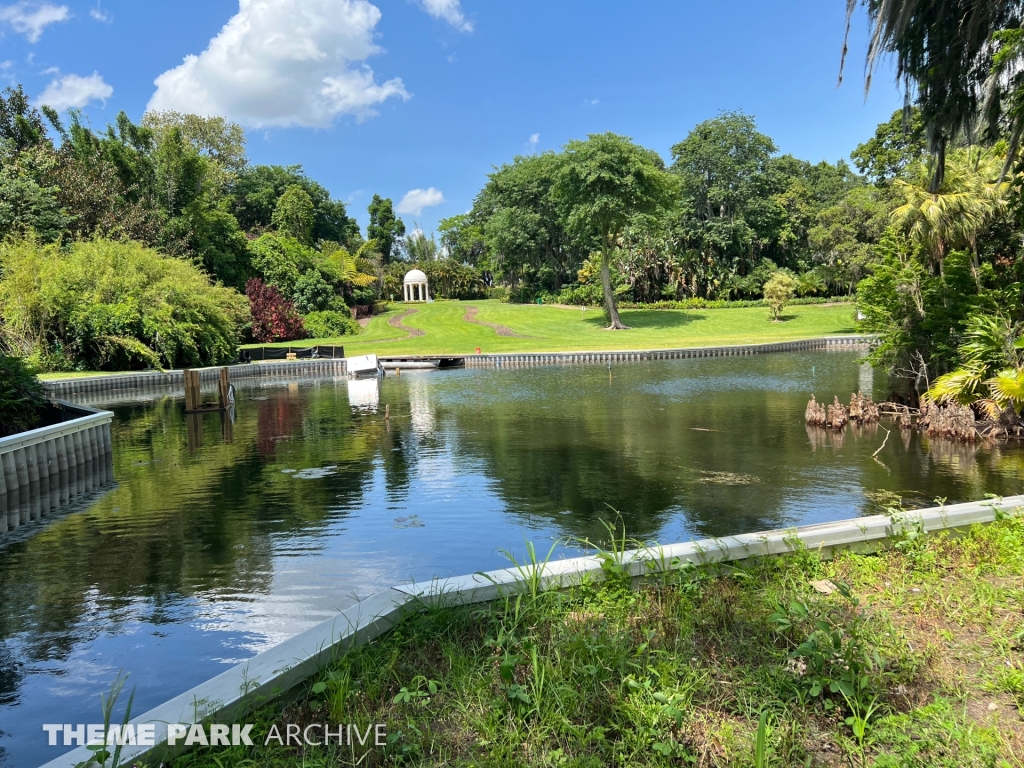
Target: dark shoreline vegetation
x=910, y=657
x=22, y=398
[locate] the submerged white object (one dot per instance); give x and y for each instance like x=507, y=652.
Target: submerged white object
x=364, y=365
x=364, y=394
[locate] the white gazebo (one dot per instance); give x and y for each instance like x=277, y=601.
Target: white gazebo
x=415, y=286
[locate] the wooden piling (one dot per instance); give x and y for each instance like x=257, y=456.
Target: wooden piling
x=193, y=398
x=194, y=427
x=223, y=389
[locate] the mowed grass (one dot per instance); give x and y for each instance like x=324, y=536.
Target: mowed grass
x=913, y=657
x=542, y=328
x=78, y=374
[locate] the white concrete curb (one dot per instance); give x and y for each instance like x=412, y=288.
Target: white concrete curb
x=272, y=673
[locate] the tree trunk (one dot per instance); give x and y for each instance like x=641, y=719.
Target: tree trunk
x=615, y=324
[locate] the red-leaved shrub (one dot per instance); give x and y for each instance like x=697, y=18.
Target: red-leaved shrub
x=273, y=317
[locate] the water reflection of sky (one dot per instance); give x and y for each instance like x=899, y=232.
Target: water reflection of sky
x=201, y=558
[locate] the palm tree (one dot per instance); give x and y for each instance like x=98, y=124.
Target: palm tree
x=993, y=356
x=359, y=268
x=969, y=197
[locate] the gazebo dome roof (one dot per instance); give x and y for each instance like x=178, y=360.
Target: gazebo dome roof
x=415, y=276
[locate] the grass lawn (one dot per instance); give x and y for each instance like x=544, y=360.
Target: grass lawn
x=441, y=327
x=912, y=657
x=78, y=374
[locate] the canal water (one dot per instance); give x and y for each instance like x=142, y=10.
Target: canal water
x=222, y=537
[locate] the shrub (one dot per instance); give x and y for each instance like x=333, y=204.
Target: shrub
x=589, y=294
x=778, y=292
x=21, y=396
x=115, y=305
x=280, y=260
x=273, y=317
x=499, y=292
x=327, y=324
x=312, y=293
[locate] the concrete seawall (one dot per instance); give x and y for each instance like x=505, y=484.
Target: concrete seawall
x=43, y=469
x=146, y=382
x=531, y=359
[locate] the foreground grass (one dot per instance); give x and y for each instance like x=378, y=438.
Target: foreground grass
x=915, y=659
x=548, y=328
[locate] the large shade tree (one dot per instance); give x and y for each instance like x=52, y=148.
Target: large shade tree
x=944, y=54
x=523, y=223
x=602, y=183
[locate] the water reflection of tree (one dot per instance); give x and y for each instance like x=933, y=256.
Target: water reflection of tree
x=181, y=524
x=570, y=441
x=919, y=469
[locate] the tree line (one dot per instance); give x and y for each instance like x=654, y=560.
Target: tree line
x=158, y=243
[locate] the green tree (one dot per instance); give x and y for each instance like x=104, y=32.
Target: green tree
x=462, y=238
x=843, y=237
x=524, y=225
x=20, y=124
x=602, y=182
x=896, y=145
x=918, y=317
x=294, y=215
x=385, y=229
x=221, y=141
x=419, y=247
x=778, y=292
x=280, y=261
x=727, y=214
x=991, y=356
x=256, y=189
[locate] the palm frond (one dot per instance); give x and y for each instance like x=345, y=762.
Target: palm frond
x=1007, y=387
x=959, y=386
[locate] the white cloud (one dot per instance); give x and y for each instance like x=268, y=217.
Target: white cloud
x=533, y=141
x=281, y=63
x=99, y=15
x=30, y=21
x=75, y=91
x=416, y=200
x=450, y=11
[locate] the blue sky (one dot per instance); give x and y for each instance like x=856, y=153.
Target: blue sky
x=400, y=96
